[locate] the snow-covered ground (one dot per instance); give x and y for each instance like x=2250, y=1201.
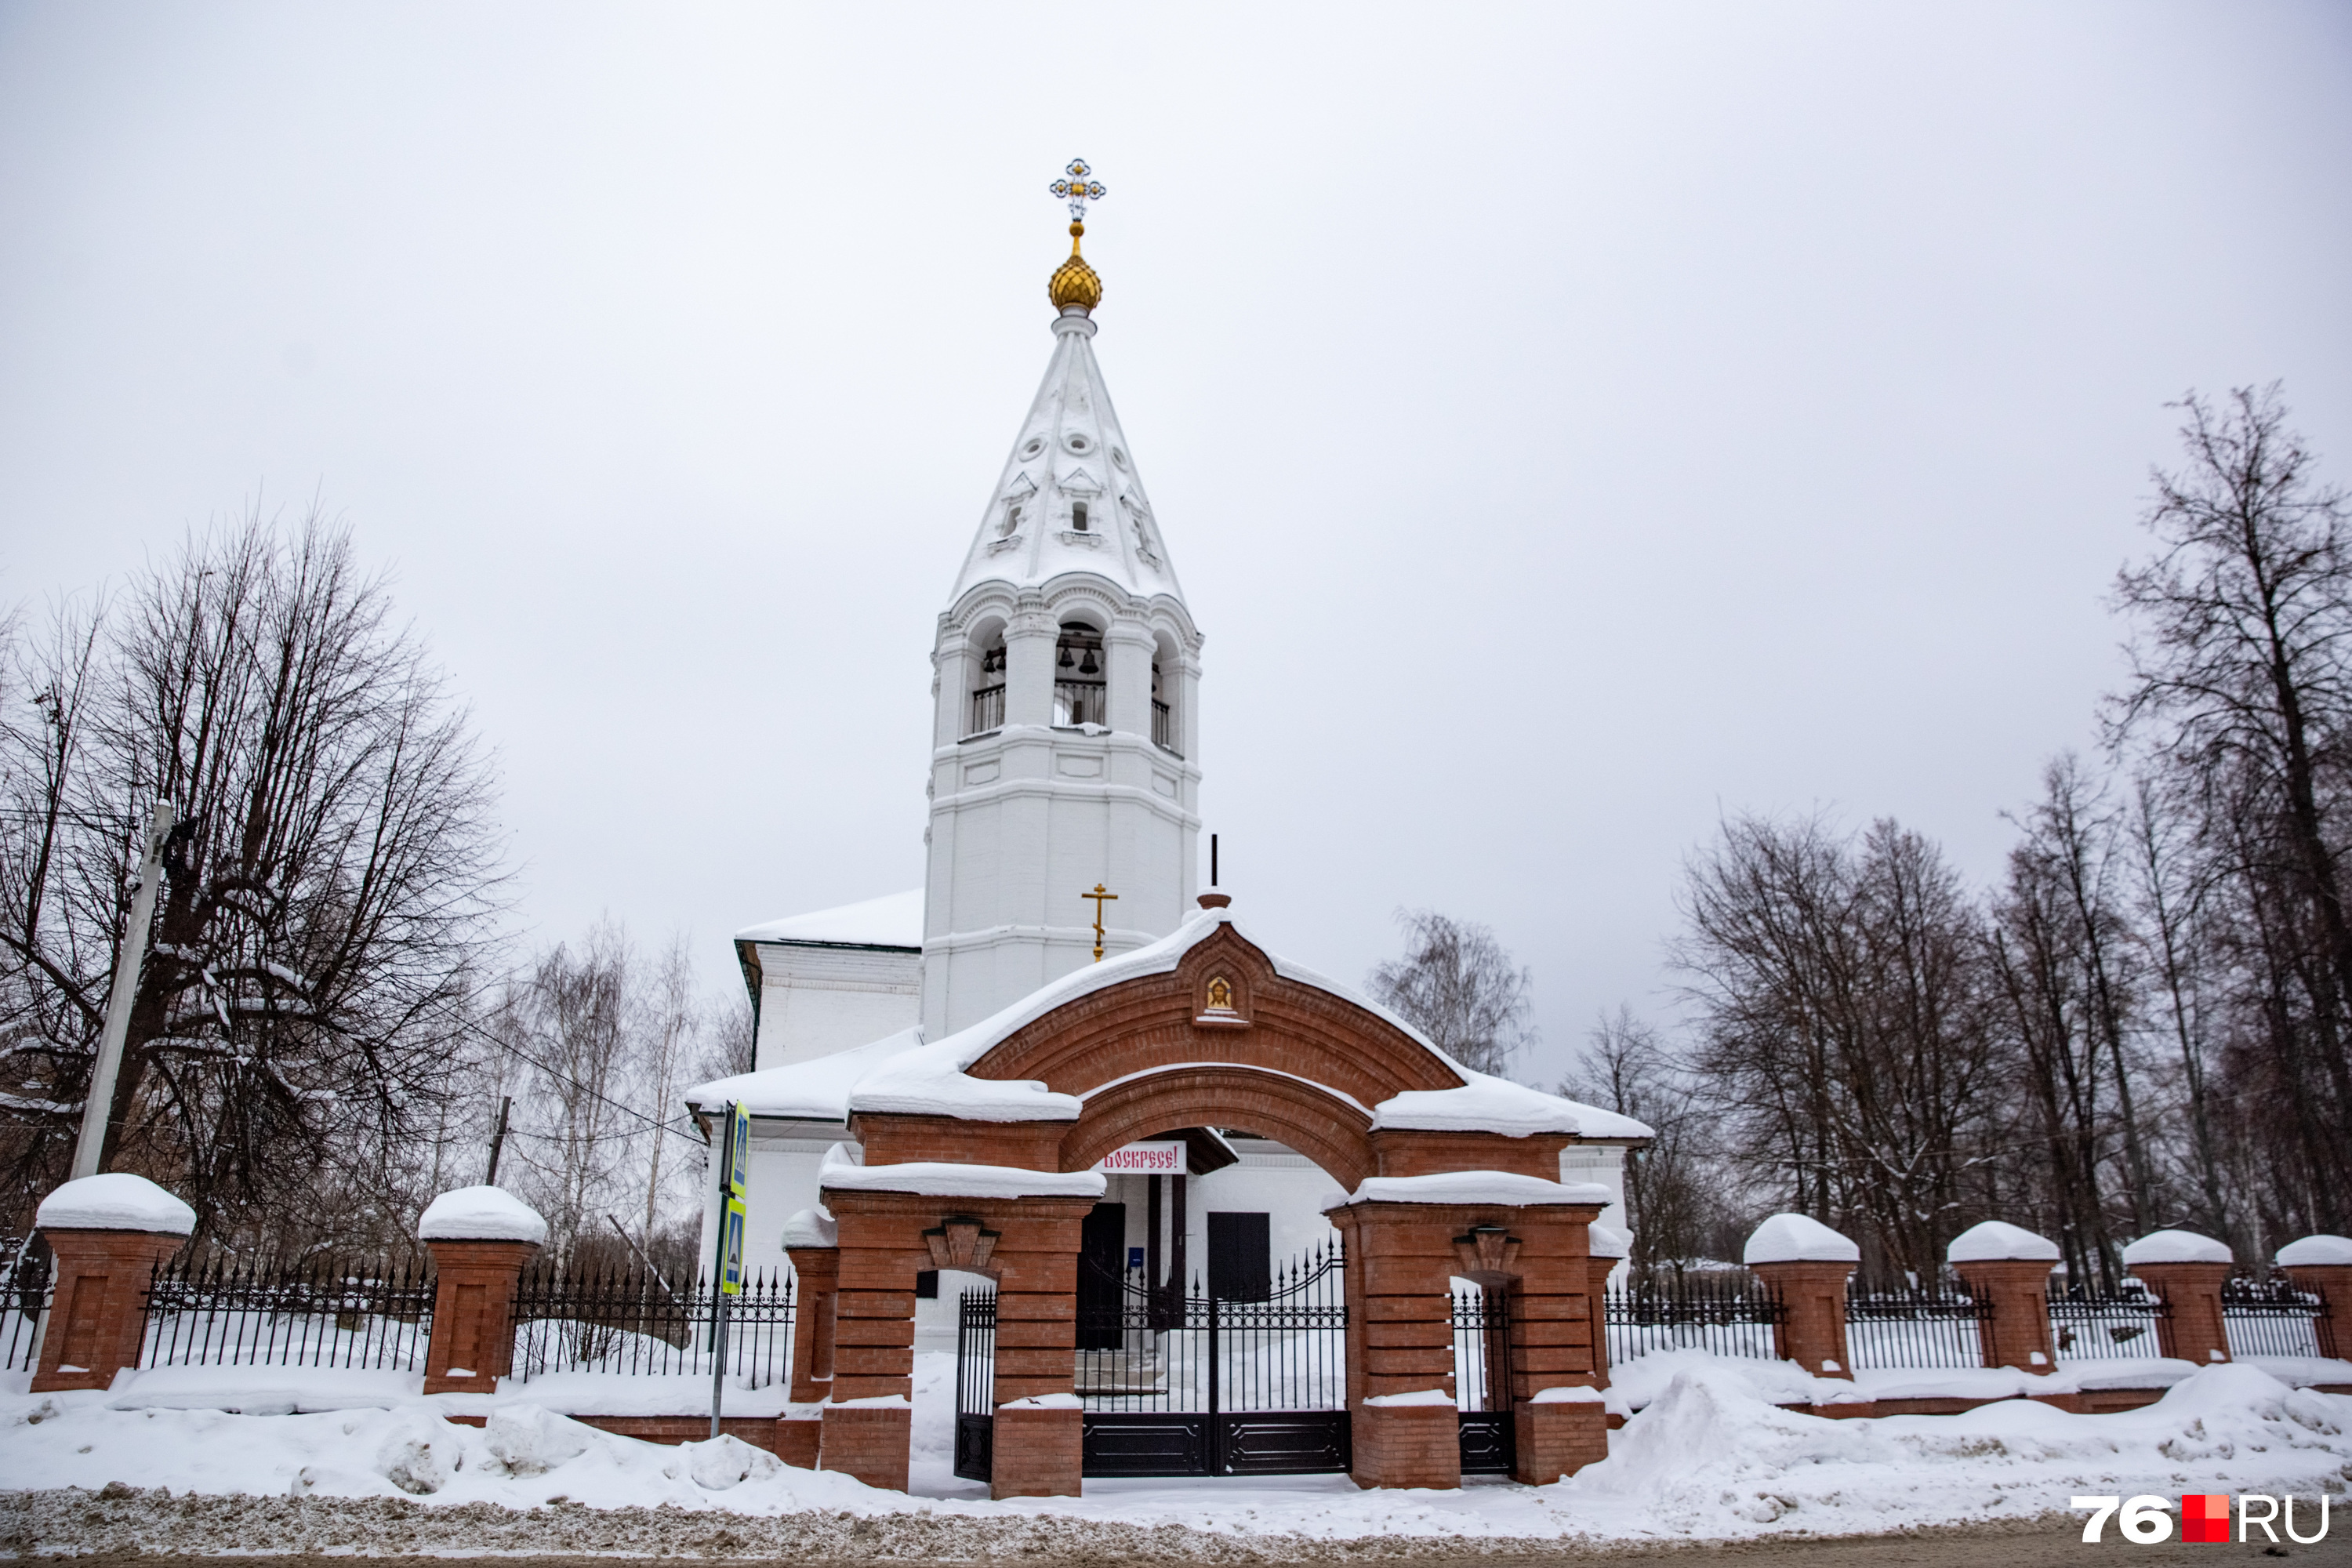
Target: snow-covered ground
x=1708, y=1455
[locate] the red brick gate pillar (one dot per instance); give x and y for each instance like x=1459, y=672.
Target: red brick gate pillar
x=1029, y=1245
x=2188, y=1270
x=1807, y=1265
x=109, y=1231
x=2007, y=1267
x=481, y=1238
x=1406, y=1238
x=810, y=1243
x=2322, y=1265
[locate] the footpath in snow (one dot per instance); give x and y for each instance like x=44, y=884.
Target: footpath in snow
x=1708, y=1456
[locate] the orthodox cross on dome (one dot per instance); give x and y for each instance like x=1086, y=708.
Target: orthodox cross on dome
x=1098, y=895
x=1075, y=287
x=1079, y=189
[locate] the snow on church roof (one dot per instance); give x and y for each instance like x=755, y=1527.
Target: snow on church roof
x=896, y=921
x=900, y=1074
x=1070, y=452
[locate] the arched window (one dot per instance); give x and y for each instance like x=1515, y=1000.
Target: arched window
x=1081, y=676
x=987, y=709
x=1166, y=728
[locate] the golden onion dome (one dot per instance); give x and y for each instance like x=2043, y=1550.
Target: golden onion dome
x=1073, y=282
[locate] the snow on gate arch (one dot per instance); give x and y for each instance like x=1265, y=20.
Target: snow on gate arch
x=1206, y=1028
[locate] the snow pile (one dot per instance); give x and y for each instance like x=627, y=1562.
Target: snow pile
x=115, y=1201
x=2316, y=1252
x=1708, y=1457
x=1608, y=1241
x=1798, y=1238
x=2175, y=1247
x=1998, y=1241
x=1486, y=1104
x=894, y=920
x=811, y=1227
x=845, y=1168
x=813, y=1090
x=480, y=1213
x=1469, y=1187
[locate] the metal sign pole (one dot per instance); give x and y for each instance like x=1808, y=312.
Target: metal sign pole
x=727, y=1275
x=100, y=1105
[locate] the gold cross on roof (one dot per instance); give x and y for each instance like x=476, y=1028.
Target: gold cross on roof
x=1079, y=189
x=1098, y=895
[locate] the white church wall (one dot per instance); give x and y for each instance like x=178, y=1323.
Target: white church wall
x=814, y=1001
x=1602, y=1163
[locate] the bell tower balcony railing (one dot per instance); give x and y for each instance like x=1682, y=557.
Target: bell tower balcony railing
x=987, y=710
x=1162, y=728
x=1079, y=702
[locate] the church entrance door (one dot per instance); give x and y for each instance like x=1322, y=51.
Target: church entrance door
x=1195, y=1385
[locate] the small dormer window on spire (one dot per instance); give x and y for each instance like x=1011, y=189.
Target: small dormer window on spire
x=1078, y=516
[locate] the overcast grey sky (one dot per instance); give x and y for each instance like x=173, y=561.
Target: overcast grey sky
x=1570, y=422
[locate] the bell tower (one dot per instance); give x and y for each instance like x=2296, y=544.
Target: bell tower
x=1066, y=751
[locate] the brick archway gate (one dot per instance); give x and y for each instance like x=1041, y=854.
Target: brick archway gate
x=976, y=1153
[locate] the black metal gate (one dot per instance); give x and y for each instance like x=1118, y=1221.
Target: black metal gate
x=1482, y=1381
x=1190, y=1385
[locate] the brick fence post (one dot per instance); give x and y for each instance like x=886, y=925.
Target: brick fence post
x=2188, y=1270
x=480, y=1239
x=1404, y=1428
x=1807, y=1265
x=2006, y=1267
x=811, y=1242
x=109, y=1233
x=2322, y=1265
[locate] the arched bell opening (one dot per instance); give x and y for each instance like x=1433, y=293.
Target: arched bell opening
x=1081, y=676
x=985, y=680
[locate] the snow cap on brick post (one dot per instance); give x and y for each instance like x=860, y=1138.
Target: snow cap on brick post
x=480, y=1213
x=480, y=1239
x=2322, y=1265
x=1806, y=1265
x=116, y=1200
x=2008, y=1266
x=2188, y=1270
x=109, y=1233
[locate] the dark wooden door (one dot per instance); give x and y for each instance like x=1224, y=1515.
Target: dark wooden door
x=1240, y=1257
x=1102, y=1263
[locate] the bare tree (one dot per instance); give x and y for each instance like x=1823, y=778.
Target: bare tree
x=1677, y=1214
x=1457, y=983
x=1845, y=1047
x=331, y=886
x=2242, y=695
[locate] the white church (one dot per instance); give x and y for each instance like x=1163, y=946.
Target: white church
x=1064, y=758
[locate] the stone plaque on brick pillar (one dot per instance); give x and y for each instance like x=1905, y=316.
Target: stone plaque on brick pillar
x=1806, y=1265
x=1027, y=1243
x=1406, y=1237
x=109, y=1233
x=2322, y=1265
x=481, y=1238
x=2188, y=1270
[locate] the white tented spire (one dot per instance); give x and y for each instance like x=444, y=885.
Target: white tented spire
x=1070, y=499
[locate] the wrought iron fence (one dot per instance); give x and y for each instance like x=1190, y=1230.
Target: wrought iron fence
x=630, y=1321
x=2097, y=1325
x=2270, y=1317
x=27, y=1284
x=1910, y=1323
x=1730, y=1314
x=225, y=1310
